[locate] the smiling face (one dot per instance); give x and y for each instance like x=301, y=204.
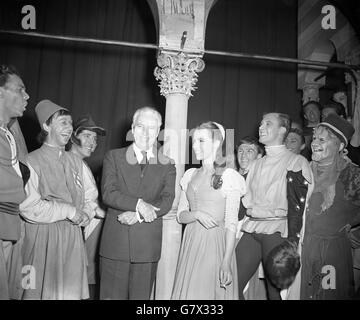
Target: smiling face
x=204, y=146
x=294, y=142
x=325, y=146
x=146, y=130
x=88, y=143
x=13, y=97
x=59, y=130
x=270, y=131
x=246, y=154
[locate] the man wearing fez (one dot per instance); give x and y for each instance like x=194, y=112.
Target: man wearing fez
x=55, y=209
x=13, y=100
x=83, y=144
x=138, y=186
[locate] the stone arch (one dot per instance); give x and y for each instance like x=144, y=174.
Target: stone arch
x=315, y=43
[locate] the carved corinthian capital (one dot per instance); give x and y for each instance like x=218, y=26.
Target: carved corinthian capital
x=177, y=73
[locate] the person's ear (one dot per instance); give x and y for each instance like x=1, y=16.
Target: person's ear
x=341, y=146
x=46, y=127
x=283, y=131
x=302, y=147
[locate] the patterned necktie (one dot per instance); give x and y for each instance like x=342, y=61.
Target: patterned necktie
x=144, y=161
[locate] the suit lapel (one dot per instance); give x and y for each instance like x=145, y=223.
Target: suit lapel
x=131, y=170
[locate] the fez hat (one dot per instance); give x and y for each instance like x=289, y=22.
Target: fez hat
x=87, y=123
x=339, y=126
x=45, y=109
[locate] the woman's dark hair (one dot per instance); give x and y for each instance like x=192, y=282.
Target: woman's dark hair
x=251, y=140
x=5, y=72
x=43, y=133
x=220, y=162
x=299, y=133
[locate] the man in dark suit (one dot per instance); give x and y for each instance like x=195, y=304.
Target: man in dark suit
x=138, y=186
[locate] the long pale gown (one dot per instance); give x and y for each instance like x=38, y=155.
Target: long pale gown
x=202, y=250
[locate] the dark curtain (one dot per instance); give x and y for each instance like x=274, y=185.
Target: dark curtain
x=110, y=82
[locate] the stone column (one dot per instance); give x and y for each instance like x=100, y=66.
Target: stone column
x=311, y=92
x=177, y=74
x=355, y=141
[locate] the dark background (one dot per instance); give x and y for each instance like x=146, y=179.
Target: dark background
x=110, y=82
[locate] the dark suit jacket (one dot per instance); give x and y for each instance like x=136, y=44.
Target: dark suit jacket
x=123, y=184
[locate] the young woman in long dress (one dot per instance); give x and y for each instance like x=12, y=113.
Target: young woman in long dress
x=208, y=205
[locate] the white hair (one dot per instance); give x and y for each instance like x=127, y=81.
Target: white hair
x=147, y=109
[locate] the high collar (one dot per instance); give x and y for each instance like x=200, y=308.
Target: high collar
x=53, y=150
x=273, y=151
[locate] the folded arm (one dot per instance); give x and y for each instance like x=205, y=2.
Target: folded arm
x=34, y=209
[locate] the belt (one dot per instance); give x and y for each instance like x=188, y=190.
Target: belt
x=267, y=218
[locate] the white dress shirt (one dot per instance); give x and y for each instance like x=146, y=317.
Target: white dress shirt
x=139, y=158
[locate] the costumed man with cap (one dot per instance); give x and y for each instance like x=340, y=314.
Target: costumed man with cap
x=334, y=209
x=55, y=210
x=13, y=100
x=83, y=144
